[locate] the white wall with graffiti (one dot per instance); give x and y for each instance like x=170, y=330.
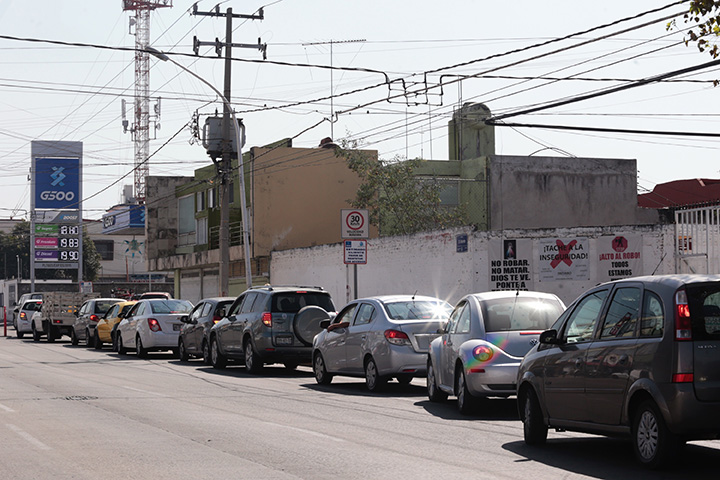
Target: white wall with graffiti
x=453, y=263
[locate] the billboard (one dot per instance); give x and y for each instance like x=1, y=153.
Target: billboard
x=57, y=183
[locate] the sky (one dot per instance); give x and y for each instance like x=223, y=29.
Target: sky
x=451, y=53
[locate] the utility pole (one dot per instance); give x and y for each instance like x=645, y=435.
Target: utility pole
x=224, y=167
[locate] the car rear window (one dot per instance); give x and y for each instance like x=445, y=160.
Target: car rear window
x=171, y=306
x=292, y=302
x=32, y=306
x=103, y=307
x=704, y=301
x=520, y=313
x=418, y=310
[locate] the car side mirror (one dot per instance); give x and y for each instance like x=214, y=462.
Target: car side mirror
x=185, y=319
x=324, y=324
x=549, y=337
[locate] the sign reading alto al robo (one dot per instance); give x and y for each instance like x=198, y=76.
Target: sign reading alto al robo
x=57, y=183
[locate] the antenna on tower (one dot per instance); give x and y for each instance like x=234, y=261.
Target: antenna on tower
x=141, y=126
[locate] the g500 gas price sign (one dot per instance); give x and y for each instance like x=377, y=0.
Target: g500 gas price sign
x=57, y=246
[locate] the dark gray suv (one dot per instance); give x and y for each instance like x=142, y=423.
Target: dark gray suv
x=638, y=357
x=270, y=324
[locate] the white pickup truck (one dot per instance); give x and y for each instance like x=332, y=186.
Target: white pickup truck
x=58, y=314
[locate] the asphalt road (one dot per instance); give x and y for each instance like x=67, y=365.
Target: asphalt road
x=75, y=413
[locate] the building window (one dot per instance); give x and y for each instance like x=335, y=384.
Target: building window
x=231, y=189
x=186, y=220
x=200, y=201
x=212, y=197
x=106, y=249
x=201, y=230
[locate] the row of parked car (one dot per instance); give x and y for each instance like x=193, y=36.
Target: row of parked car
x=638, y=357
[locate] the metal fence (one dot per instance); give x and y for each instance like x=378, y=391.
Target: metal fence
x=697, y=240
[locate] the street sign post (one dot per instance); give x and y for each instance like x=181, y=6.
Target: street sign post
x=354, y=223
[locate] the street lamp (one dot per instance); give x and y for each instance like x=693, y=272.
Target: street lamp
x=224, y=252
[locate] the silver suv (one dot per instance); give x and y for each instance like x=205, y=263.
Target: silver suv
x=270, y=324
x=638, y=357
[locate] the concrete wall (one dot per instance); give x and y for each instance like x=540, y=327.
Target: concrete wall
x=161, y=219
x=430, y=263
x=547, y=192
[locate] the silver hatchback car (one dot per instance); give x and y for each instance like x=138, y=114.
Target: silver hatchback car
x=379, y=338
x=487, y=336
x=638, y=357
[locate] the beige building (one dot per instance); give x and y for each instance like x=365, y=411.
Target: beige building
x=295, y=197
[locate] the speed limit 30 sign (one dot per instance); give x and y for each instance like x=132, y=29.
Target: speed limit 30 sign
x=354, y=223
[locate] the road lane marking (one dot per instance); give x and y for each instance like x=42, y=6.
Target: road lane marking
x=303, y=430
x=145, y=391
x=34, y=441
x=7, y=409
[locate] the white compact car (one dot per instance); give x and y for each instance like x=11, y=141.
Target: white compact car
x=23, y=320
x=152, y=325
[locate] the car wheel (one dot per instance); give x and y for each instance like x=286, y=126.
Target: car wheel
x=35, y=333
x=182, y=351
x=120, y=348
x=373, y=380
x=50, y=334
x=404, y=379
x=139, y=348
x=218, y=360
x=434, y=392
x=88, y=338
x=465, y=401
x=206, y=353
x=534, y=429
x=73, y=338
x=253, y=362
x=97, y=343
x=19, y=334
x=653, y=443
x=322, y=377
x=114, y=342
x=291, y=365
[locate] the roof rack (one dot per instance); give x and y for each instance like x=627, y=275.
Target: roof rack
x=271, y=287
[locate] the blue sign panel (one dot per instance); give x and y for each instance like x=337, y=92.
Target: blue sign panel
x=461, y=243
x=57, y=183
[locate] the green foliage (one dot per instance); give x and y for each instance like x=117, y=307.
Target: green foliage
x=16, y=246
x=705, y=16
x=399, y=202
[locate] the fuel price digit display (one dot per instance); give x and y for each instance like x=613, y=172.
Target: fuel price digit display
x=69, y=243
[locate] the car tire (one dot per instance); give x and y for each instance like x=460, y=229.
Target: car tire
x=217, y=359
x=466, y=402
x=73, y=338
x=50, y=334
x=139, y=348
x=35, y=334
x=88, y=339
x=653, y=443
x=322, y=377
x=97, y=343
x=253, y=362
x=433, y=391
x=114, y=343
x=19, y=334
x=373, y=380
x=206, y=353
x=182, y=351
x=534, y=429
x=121, y=350
x=291, y=366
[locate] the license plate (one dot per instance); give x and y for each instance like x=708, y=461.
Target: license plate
x=176, y=327
x=283, y=340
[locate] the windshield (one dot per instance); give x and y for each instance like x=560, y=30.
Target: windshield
x=171, y=306
x=520, y=313
x=102, y=307
x=418, y=310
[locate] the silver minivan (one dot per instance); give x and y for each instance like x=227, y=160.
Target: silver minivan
x=638, y=357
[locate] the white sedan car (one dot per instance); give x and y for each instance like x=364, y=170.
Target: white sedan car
x=152, y=325
x=23, y=321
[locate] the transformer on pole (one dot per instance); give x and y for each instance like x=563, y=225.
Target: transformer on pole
x=141, y=127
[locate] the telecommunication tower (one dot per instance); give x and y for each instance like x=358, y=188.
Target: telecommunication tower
x=141, y=128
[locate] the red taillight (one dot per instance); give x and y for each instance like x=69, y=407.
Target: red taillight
x=154, y=325
x=683, y=325
x=217, y=318
x=23, y=315
x=396, y=337
x=483, y=353
x=94, y=318
x=683, y=378
x=267, y=319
